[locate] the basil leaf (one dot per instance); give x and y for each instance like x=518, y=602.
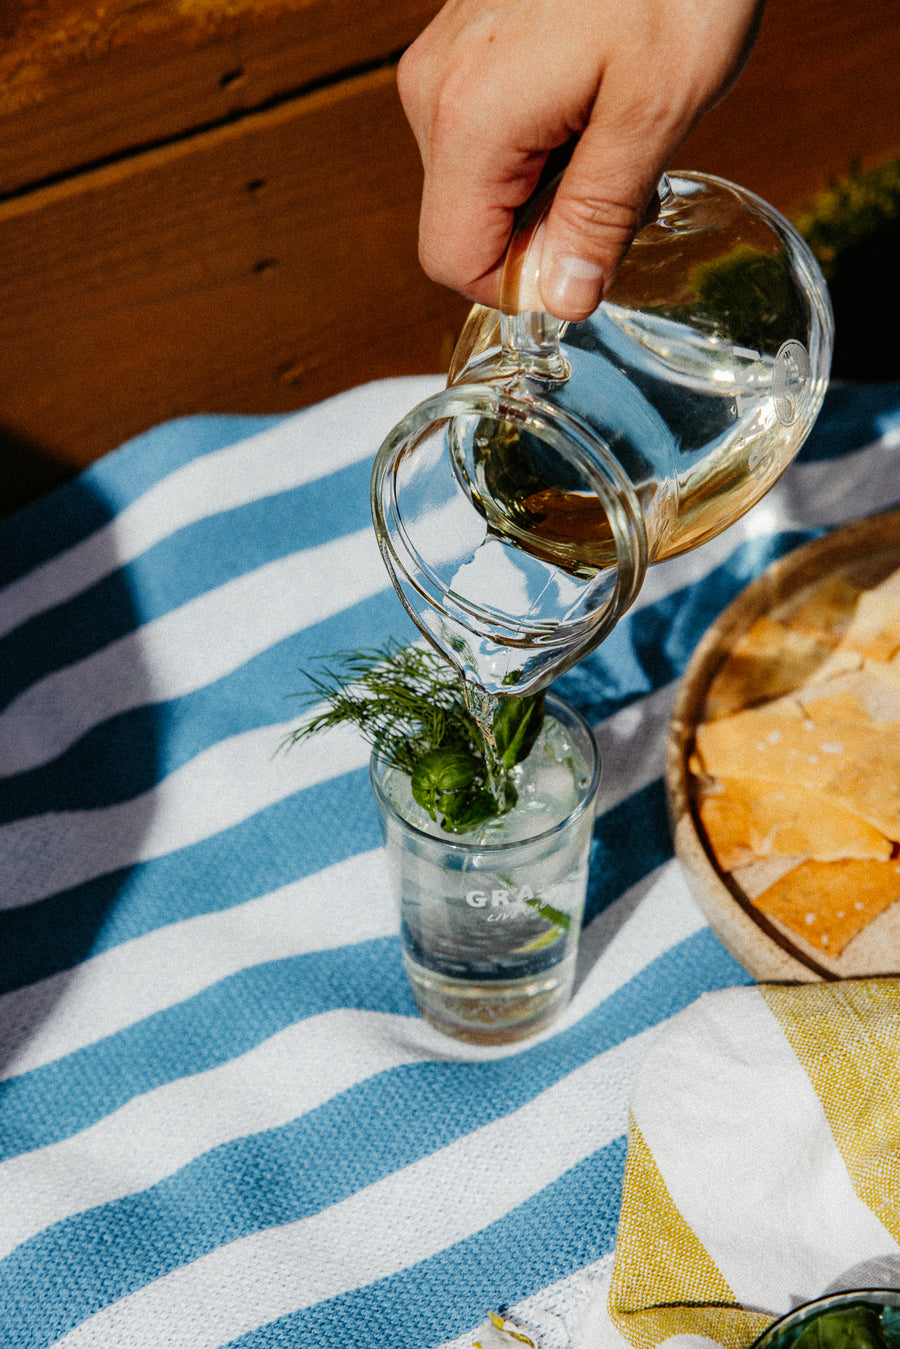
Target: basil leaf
x=517, y=726
x=439, y=773
x=463, y=811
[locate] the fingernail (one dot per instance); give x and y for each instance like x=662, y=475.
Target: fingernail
x=574, y=287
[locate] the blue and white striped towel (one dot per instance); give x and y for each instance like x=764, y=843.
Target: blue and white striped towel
x=221, y=1120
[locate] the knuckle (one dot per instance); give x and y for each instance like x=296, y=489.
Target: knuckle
x=410, y=79
x=591, y=214
x=436, y=258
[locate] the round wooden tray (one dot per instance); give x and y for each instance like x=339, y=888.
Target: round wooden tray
x=865, y=552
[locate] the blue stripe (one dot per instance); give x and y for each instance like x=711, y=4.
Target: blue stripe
x=301, y=834
x=67, y=1272
x=651, y=646
x=306, y=832
x=350, y=1142
x=229, y=1018
x=196, y=559
x=131, y=752
x=854, y=415
x=72, y=512
x=629, y=842
x=54, y=934
x=240, y=1012
x=554, y=1234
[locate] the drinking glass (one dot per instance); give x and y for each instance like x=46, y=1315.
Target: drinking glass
x=490, y=921
x=866, y=1317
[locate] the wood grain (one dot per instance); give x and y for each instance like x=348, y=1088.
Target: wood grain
x=206, y=212
x=81, y=81
x=259, y=267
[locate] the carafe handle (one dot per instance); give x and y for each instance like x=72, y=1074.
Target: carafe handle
x=531, y=337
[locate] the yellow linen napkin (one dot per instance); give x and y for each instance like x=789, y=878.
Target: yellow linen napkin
x=763, y=1165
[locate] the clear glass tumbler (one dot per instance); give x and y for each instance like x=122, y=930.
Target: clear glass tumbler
x=490, y=921
x=859, y=1318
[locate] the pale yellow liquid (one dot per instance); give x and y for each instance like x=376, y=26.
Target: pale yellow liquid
x=572, y=529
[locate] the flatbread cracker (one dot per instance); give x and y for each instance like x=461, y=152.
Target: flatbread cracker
x=874, y=630
x=746, y=820
x=870, y=693
x=855, y=763
x=797, y=762
x=767, y=661
x=839, y=662
x=825, y=611
x=726, y=822
x=763, y=872
x=828, y=903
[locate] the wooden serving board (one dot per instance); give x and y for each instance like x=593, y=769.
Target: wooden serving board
x=865, y=552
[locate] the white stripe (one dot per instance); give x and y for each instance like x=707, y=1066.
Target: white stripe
x=743, y=1145
x=646, y=921
x=190, y=647
x=559, y=1316
x=348, y=902
x=340, y=905
x=317, y=442
x=213, y=634
x=396, y=1222
x=234, y=779
x=216, y=790
x=632, y=745
x=155, y=1134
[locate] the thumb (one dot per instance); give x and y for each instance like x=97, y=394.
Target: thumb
x=601, y=202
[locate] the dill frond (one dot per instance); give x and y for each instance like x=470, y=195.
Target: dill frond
x=409, y=705
x=404, y=701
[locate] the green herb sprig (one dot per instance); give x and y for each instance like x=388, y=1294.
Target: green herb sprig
x=409, y=706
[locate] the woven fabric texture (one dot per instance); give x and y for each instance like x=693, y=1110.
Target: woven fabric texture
x=222, y=1121
x=763, y=1168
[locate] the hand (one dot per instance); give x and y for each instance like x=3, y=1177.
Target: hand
x=491, y=87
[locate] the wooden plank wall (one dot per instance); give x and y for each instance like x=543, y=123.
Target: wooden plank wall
x=818, y=96
x=212, y=207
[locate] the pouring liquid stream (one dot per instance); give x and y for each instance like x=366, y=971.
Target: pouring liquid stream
x=483, y=706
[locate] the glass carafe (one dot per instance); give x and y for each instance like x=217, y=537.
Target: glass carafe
x=518, y=510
